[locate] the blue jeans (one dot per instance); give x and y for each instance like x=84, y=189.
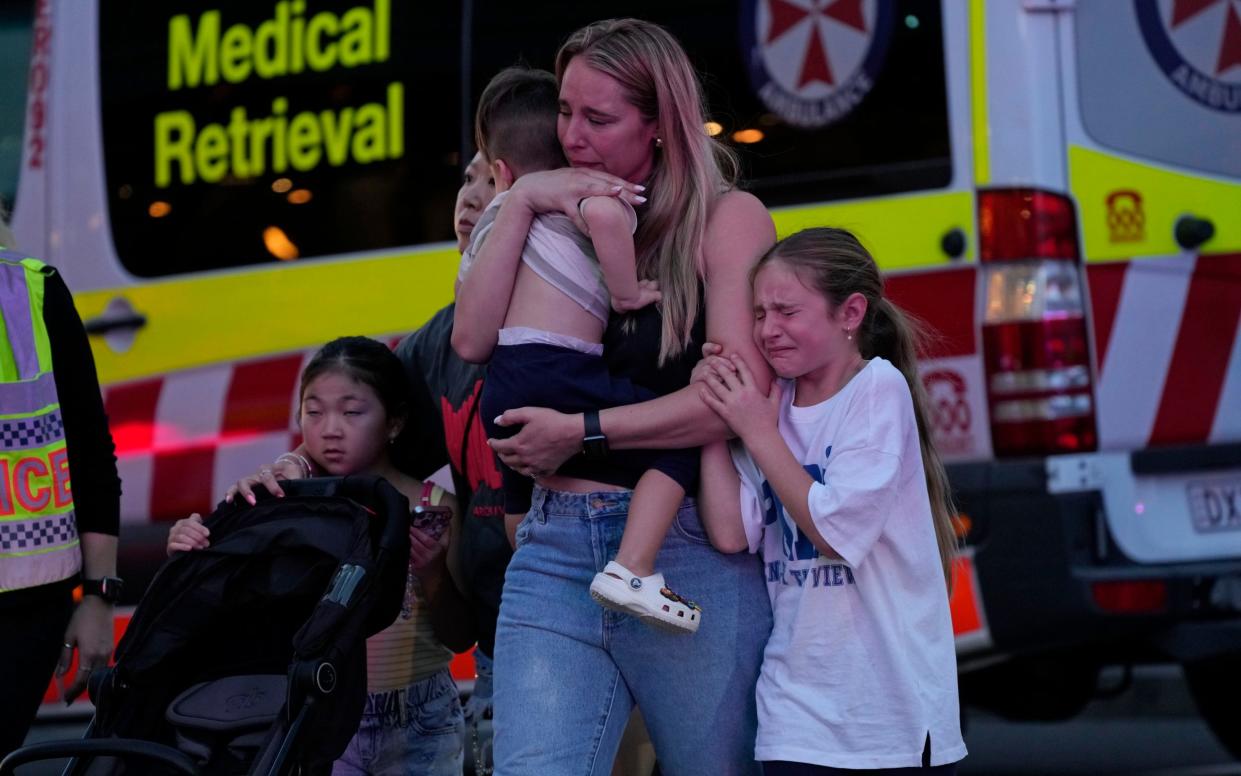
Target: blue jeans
x=568, y=672
x=417, y=730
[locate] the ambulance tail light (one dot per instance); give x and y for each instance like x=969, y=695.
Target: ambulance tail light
x=1131, y=596
x=1035, y=342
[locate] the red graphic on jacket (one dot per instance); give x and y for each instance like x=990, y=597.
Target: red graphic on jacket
x=480, y=464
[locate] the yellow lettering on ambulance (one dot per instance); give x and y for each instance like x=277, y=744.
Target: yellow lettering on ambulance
x=305, y=142
x=174, y=136
x=317, y=57
x=336, y=130
x=192, y=60
x=236, y=53
x=271, y=44
x=237, y=141
x=279, y=157
x=369, y=134
x=211, y=153
x=356, y=38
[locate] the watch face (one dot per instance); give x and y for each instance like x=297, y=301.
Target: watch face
x=595, y=447
x=107, y=588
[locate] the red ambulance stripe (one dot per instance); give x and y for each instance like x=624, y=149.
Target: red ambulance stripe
x=182, y=482
x=260, y=396
x=1200, y=360
x=131, y=414
x=1106, y=282
x=945, y=303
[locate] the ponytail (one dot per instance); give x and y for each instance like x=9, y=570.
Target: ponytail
x=895, y=335
x=840, y=266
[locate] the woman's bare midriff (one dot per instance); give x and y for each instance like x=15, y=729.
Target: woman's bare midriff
x=575, y=485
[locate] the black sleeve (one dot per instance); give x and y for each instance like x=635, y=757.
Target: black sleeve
x=92, y=455
x=421, y=449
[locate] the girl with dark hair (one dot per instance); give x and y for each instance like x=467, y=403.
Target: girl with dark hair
x=845, y=497
x=352, y=411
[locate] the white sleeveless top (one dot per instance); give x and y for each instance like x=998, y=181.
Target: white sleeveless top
x=558, y=252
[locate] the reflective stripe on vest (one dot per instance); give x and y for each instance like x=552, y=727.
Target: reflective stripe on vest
x=38, y=532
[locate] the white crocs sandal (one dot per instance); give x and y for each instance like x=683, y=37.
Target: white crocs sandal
x=646, y=598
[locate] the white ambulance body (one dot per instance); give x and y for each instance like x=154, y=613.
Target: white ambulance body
x=1054, y=186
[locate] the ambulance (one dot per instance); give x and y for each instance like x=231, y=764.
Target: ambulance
x=1053, y=186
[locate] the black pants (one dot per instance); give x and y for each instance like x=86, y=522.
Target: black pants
x=32, y=631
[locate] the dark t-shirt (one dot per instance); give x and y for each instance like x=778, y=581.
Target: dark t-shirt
x=456, y=437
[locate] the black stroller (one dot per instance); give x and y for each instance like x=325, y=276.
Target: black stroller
x=249, y=657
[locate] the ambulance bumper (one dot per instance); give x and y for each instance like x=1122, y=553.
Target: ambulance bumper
x=1103, y=554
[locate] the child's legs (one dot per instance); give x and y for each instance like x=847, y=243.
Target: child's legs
x=653, y=506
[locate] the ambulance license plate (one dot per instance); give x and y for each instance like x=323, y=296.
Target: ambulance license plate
x=1215, y=505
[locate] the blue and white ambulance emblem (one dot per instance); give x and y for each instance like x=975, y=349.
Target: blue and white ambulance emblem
x=1197, y=44
x=811, y=62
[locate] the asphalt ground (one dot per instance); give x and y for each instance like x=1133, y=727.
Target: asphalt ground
x=1151, y=729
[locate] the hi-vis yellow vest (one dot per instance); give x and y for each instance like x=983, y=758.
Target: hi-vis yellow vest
x=38, y=533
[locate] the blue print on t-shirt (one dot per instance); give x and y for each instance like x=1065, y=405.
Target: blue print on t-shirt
x=795, y=544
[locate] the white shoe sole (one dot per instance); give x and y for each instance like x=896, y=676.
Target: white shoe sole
x=612, y=593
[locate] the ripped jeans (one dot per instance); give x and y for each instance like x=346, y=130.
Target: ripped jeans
x=415, y=730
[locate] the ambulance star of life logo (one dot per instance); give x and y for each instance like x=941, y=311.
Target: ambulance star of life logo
x=812, y=61
x=1197, y=44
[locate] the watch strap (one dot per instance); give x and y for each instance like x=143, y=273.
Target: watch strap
x=107, y=588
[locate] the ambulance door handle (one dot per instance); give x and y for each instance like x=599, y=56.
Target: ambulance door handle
x=953, y=243
x=1191, y=231
x=118, y=317
x=104, y=324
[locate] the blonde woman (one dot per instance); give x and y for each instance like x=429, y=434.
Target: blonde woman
x=567, y=672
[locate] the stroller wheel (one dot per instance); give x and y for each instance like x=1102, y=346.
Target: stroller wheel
x=325, y=678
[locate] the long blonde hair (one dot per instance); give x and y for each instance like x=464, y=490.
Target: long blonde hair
x=690, y=167
x=839, y=266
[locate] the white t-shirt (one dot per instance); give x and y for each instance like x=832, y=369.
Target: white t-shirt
x=861, y=665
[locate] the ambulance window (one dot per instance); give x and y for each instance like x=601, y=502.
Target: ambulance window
x=1162, y=81
x=820, y=105
x=15, y=43
x=245, y=133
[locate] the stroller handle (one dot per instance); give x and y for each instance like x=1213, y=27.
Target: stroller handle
x=98, y=747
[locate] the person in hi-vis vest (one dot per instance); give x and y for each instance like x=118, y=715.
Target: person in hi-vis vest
x=59, y=494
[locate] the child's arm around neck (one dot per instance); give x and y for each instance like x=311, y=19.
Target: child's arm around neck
x=611, y=223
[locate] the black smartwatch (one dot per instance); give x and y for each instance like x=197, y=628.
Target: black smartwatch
x=107, y=588
x=594, y=444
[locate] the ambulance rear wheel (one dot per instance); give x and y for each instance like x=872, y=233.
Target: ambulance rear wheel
x=1215, y=685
